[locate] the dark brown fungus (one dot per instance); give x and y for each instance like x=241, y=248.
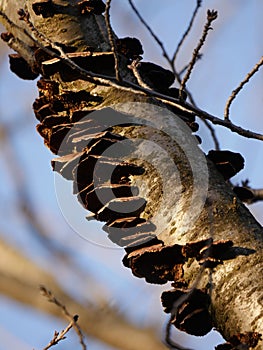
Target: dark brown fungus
x=43, y=111
x=6, y=36
x=169, y=298
x=65, y=164
x=97, y=143
x=189, y=309
x=228, y=163
x=103, y=194
x=193, y=126
x=186, y=116
x=217, y=250
x=192, y=249
x=198, y=323
x=96, y=7
x=21, y=68
x=225, y=346
x=95, y=62
x=209, y=253
x=136, y=240
x=152, y=242
x=244, y=194
x=247, y=340
x=157, y=263
x=107, y=170
x=198, y=138
x=126, y=231
x=44, y=8
x=47, y=87
x=174, y=92
x=158, y=78
x=55, y=120
x=131, y=48
x=121, y=207
x=42, y=55
x=130, y=225
x=54, y=136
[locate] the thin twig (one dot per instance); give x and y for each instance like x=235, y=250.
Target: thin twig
x=213, y=134
x=136, y=89
x=227, y=124
x=112, y=40
x=60, y=336
x=35, y=35
x=155, y=37
x=198, y=5
x=168, y=339
x=73, y=319
x=178, y=74
x=211, y=16
x=199, y=57
x=240, y=87
x=130, y=87
x=209, y=126
x=133, y=67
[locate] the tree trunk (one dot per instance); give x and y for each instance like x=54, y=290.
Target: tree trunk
x=186, y=198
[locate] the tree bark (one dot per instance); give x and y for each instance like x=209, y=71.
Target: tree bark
x=198, y=206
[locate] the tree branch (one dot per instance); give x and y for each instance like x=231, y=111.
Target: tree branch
x=235, y=277
x=20, y=279
x=112, y=40
x=59, y=336
x=190, y=25
x=211, y=16
x=240, y=87
x=72, y=319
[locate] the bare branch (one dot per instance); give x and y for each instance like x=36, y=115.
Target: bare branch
x=211, y=16
x=171, y=61
x=133, y=67
x=213, y=134
x=59, y=336
x=168, y=339
x=107, y=80
x=73, y=319
x=227, y=124
x=112, y=40
x=240, y=87
x=136, y=89
x=198, y=5
x=199, y=56
x=155, y=37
